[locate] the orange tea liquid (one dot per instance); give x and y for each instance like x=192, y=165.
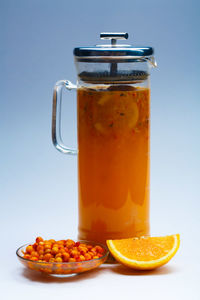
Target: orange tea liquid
x=113, y=162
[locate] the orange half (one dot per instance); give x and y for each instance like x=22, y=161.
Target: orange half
x=144, y=253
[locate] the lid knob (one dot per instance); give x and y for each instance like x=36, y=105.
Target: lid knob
x=114, y=36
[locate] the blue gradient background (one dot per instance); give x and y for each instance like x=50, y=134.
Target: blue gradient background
x=38, y=184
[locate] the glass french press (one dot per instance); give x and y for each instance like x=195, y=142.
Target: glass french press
x=113, y=108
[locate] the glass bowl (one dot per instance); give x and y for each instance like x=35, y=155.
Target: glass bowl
x=63, y=268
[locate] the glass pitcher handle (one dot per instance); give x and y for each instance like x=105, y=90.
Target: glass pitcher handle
x=56, y=116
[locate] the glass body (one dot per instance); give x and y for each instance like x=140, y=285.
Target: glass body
x=113, y=106
x=113, y=160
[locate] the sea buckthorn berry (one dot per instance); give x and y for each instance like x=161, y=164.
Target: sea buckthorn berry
x=52, y=241
x=60, y=247
x=47, y=246
x=70, y=243
x=58, y=259
x=78, y=259
x=34, y=254
x=61, y=242
x=48, y=250
x=29, y=248
x=54, y=250
x=83, y=250
x=65, y=256
x=40, y=248
x=87, y=256
x=99, y=249
x=71, y=259
x=35, y=246
x=39, y=239
x=93, y=250
x=89, y=247
x=74, y=253
x=62, y=250
x=91, y=253
x=47, y=257
x=48, y=242
x=34, y=258
x=58, y=255
x=82, y=258
x=41, y=252
x=75, y=248
x=82, y=245
x=52, y=259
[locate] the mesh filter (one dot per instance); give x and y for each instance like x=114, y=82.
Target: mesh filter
x=113, y=77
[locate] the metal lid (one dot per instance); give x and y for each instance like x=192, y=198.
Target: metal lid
x=113, y=50
x=112, y=58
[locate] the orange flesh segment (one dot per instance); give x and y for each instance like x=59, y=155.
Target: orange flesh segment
x=145, y=249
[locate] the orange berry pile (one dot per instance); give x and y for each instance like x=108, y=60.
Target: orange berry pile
x=61, y=251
